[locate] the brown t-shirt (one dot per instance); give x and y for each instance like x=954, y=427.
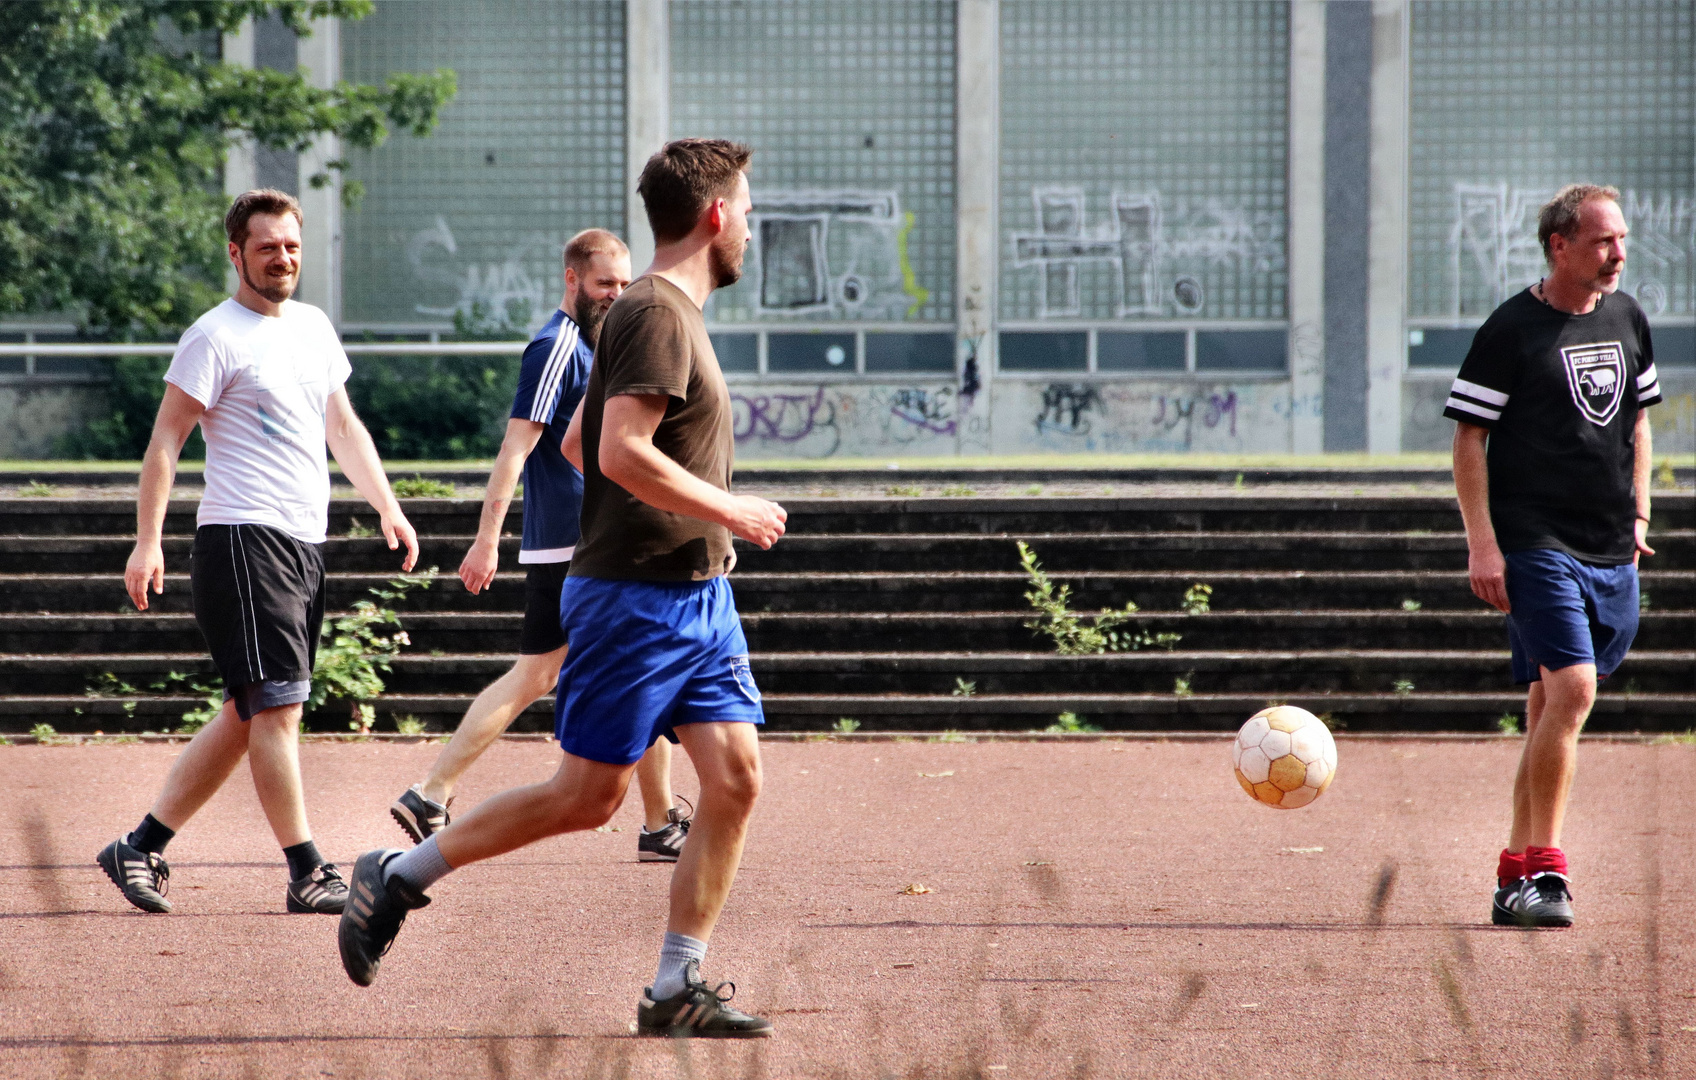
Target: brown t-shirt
x=654, y=341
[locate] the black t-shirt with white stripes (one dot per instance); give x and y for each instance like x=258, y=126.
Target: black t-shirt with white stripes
x=1560, y=394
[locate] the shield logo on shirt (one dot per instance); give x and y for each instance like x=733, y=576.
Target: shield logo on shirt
x=1596, y=375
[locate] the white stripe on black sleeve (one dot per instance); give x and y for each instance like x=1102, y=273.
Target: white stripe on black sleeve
x=1482, y=394
x=1647, y=379
x=1472, y=407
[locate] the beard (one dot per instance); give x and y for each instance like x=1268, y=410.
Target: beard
x=589, y=316
x=275, y=291
x=724, y=260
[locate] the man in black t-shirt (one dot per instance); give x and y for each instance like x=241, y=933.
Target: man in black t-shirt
x=1551, y=462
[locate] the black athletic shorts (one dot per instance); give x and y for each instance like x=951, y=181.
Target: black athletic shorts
x=542, y=630
x=259, y=602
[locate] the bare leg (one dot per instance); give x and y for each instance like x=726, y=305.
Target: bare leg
x=489, y=716
x=653, y=776
x=274, y=757
x=1521, y=834
x=201, y=769
x=583, y=794
x=727, y=759
x=1552, y=753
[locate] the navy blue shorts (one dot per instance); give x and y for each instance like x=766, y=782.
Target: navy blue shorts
x=646, y=657
x=1568, y=612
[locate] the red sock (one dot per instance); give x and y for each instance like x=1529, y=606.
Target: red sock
x=1509, y=868
x=1544, y=860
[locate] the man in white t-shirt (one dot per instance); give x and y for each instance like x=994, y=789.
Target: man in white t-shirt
x=263, y=377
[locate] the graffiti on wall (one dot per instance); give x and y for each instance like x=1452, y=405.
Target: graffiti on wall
x=1156, y=252
x=1494, y=251
x=832, y=253
x=1067, y=409
x=846, y=419
x=511, y=295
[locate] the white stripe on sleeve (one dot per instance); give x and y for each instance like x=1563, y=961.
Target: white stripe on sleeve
x=1473, y=408
x=1482, y=393
x=565, y=347
x=1647, y=379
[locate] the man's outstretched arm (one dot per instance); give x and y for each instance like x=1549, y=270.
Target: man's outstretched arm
x=357, y=455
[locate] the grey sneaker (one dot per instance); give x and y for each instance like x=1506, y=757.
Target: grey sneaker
x=1546, y=901
x=141, y=876
x=417, y=816
x=665, y=844
x=322, y=892
x=698, y=1012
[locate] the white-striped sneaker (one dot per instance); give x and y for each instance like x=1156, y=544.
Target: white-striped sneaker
x=141, y=876
x=322, y=892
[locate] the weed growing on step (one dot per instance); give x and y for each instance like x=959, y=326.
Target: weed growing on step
x=419, y=487
x=1508, y=723
x=957, y=491
x=357, y=646
x=1642, y=601
x=1067, y=629
x=1034, y=489
x=905, y=491
x=963, y=687
x=1411, y=605
x=409, y=724
x=1676, y=738
x=1198, y=599
x=1069, y=723
x=1238, y=483
x=952, y=736
x=358, y=530
x=1402, y=687
x=46, y=735
x=1664, y=476
x=1334, y=723
x=1181, y=684
x=846, y=725
x=35, y=489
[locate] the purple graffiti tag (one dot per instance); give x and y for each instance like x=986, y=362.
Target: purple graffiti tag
x=785, y=418
x=922, y=409
x=1220, y=407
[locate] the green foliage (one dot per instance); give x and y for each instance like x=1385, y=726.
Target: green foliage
x=1508, y=723
x=1402, y=687
x=905, y=491
x=1198, y=599
x=122, y=430
x=952, y=736
x=1664, y=476
x=847, y=725
x=1034, y=489
x=1677, y=738
x=409, y=725
x=35, y=489
x=1069, y=723
x=46, y=735
x=1071, y=636
x=435, y=408
x=1411, y=605
x=964, y=687
x=358, y=530
x=1334, y=723
x=1642, y=601
x=357, y=647
x=1181, y=684
x=958, y=491
x=415, y=487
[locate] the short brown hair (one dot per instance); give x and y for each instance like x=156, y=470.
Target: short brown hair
x=1560, y=214
x=589, y=243
x=682, y=180
x=258, y=201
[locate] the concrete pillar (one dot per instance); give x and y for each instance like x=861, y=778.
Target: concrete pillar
x=320, y=58
x=239, y=169
x=1307, y=226
x=1348, y=142
x=275, y=46
x=647, y=111
x=1386, y=335
x=977, y=141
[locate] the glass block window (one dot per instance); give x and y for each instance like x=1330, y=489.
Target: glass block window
x=1143, y=166
x=849, y=107
x=471, y=220
x=1511, y=99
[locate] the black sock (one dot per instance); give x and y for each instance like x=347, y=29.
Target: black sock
x=150, y=836
x=303, y=859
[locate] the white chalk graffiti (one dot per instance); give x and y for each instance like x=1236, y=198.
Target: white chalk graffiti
x=1148, y=248
x=831, y=253
x=1494, y=252
x=510, y=295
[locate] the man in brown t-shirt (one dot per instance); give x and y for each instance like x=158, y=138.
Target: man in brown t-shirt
x=656, y=646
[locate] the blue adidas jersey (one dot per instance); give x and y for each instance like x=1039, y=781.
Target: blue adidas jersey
x=551, y=380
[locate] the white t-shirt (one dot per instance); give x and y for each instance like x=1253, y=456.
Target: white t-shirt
x=266, y=383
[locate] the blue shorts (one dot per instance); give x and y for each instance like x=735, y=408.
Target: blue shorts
x=1568, y=612
x=645, y=657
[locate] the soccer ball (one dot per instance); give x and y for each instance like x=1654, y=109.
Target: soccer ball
x=1284, y=757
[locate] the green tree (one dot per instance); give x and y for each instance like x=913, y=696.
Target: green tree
x=115, y=116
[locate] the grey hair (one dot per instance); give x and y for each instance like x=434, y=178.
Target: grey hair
x=1560, y=214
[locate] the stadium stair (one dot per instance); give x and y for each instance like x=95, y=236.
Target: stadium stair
x=882, y=610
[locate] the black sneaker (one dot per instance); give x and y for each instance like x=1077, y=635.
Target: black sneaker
x=1546, y=900
x=697, y=1012
x=321, y=892
x=141, y=876
x=665, y=844
x=417, y=816
x=376, y=908
x=1509, y=900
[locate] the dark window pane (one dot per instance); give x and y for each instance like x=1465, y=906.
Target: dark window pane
x=737, y=352
x=1443, y=349
x=1044, y=352
x=1116, y=351
x=1675, y=346
x=73, y=365
x=1242, y=350
x=813, y=353
x=910, y=352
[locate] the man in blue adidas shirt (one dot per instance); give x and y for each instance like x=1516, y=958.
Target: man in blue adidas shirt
x=552, y=378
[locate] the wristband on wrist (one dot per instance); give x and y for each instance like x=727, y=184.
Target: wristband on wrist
x=1643, y=517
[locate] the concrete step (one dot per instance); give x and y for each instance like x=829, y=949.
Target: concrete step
x=467, y=632
x=915, y=712
x=1236, y=590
